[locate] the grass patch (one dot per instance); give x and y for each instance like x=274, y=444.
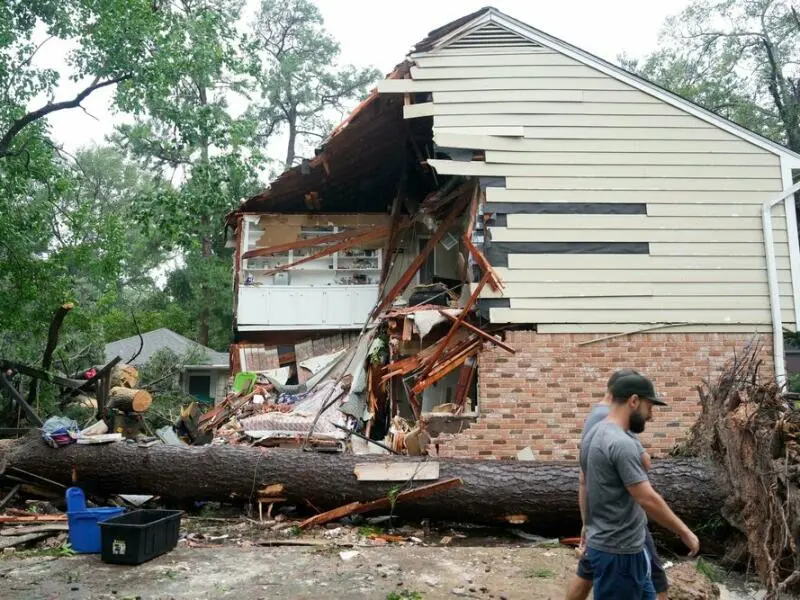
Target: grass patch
x=62, y=551
x=540, y=574
x=711, y=572
x=404, y=595
x=368, y=530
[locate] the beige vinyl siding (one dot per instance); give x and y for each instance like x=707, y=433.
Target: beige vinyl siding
x=603, y=330
x=558, y=131
x=631, y=158
x=577, y=182
x=650, y=196
x=770, y=174
x=526, y=146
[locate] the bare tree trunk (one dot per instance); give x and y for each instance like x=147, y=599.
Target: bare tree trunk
x=206, y=249
x=543, y=494
x=290, y=147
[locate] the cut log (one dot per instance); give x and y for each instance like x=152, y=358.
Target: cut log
x=547, y=493
x=129, y=400
x=124, y=376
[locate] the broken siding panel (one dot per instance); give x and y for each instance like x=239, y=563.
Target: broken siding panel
x=606, y=171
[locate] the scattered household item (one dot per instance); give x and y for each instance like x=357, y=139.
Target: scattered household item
x=244, y=381
x=139, y=536
x=84, y=533
x=60, y=431
x=104, y=438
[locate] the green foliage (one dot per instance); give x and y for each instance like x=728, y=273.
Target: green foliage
x=711, y=572
x=738, y=58
x=298, y=74
x=368, y=530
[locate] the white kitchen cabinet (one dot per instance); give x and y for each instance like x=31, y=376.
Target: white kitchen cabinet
x=304, y=307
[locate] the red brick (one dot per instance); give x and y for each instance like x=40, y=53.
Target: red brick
x=542, y=394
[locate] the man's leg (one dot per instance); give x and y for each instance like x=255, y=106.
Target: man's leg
x=657, y=573
x=581, y=583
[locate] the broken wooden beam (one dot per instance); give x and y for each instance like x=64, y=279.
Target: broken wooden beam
x=32, y=518
x=356, y=508
x=10, y=496
x=419, y=260
x=310, y=243
x=17, y=397
x=26, y=529
x=462, y=315
x=372, y=235
x=487, y=336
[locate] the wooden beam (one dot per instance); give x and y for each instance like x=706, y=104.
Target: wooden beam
x=17, y=397
x=373, y=234
x=355, y=508
x=495, y=282
x=487, y=336
x=37, y=373
x=443, y=370
x=299, y=244
x=464, y=312
x=10, y=496
x=419, y=260
x=464, y=382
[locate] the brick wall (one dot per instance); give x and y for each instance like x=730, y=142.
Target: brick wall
x=540, y=396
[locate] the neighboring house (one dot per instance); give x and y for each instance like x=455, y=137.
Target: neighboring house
x=206, y=380
x=631, y=228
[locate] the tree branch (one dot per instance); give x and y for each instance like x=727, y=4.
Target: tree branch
x=18, y=125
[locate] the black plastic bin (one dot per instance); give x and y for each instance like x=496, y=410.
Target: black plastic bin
x=139, y=536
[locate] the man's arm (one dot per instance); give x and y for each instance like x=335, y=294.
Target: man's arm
x=655, y=506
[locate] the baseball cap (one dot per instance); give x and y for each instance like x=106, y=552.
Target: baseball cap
x=635, y=383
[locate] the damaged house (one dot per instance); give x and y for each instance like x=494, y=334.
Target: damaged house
x=501, y=224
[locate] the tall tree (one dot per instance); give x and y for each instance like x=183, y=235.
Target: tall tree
x=183, y=125
x=300, y=80
x=740, y=58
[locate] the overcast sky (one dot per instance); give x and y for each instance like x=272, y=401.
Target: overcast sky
x=382, y=39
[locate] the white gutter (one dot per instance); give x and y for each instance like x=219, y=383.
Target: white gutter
x=772, y=280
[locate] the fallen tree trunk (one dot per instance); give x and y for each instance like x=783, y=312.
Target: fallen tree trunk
x=128, y=399
x=541, y=493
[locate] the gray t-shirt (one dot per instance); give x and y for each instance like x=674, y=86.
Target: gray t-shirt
x=611, y=462
x=597, y=414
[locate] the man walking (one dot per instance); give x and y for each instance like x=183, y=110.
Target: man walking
x=581, y=583
x=619, y=496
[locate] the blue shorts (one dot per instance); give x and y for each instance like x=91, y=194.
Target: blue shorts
x=657, y=573
x=621, y=576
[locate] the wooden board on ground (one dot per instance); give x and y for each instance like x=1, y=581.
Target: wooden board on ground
x=10, y=542
x=10, y=531
x=394, y=471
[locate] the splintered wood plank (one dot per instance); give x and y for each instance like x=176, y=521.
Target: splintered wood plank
x=33, y=519
x=397, y=471
x=11, y=531
x=355, y=508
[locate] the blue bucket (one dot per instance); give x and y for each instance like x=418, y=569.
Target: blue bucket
x=84, y=531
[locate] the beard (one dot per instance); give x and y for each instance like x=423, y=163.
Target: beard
x=637, y=422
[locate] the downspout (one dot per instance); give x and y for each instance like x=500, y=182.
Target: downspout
x=772, y=281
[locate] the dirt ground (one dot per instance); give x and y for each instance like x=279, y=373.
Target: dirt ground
x=292, y=572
